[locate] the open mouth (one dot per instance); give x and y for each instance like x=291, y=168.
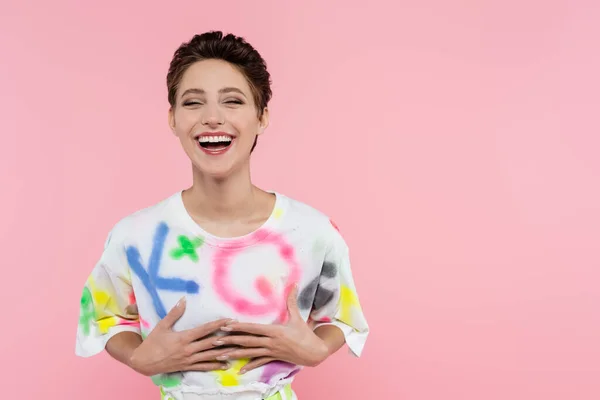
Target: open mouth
x=215, y=143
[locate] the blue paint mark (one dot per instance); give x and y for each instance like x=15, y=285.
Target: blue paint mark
x=151, y=280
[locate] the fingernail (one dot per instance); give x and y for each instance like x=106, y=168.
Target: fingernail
x=223, y=357
x=226, y=328
x=231, y=321
x=181, y=301
x=226, y=366
x=218, y=342
x=242, y=371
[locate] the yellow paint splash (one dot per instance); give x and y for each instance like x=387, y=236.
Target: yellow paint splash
x=230, y=376
x=103, y=301
x=164, y=396
x=287, y=392
x=277, y=213
x=348, y=302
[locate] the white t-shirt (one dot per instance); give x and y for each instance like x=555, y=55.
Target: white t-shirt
x=157, y=255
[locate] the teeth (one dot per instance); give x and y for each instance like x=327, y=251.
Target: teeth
x=213, y=139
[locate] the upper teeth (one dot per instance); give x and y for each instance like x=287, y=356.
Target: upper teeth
x=204, y=139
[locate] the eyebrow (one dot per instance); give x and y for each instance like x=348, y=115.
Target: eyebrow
x=221, y=91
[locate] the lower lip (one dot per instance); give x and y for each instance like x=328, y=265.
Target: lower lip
x=216, y=152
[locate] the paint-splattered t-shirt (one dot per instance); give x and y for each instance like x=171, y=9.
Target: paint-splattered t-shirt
x=159, y=254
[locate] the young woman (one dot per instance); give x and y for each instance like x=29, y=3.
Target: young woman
x=222, y=290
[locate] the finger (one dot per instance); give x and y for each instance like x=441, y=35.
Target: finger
x=257, y=362
x=205, y=329
x=208, y=355
x=208, y=343
x=254, y=329
x=207, y=366
x=245, y=353
x=243, y=340
x=292, y=303
x=173, y=315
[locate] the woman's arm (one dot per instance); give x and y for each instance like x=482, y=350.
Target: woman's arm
x=122, y=345
x=332, y=336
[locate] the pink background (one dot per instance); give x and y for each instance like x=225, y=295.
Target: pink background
x=456, y=144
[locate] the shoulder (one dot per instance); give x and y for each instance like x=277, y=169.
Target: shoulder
x=142, y=220
x=316, y=221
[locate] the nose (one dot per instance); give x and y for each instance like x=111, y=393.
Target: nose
x=212, y=116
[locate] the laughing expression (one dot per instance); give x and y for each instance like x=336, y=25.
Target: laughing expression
x=215, y=117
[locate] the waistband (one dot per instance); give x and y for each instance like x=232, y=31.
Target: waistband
x=283, y=393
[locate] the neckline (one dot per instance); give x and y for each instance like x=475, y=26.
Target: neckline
x=249, y=239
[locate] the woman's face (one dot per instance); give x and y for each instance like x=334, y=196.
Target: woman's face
x=215, y=117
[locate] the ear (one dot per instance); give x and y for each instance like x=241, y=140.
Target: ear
x=172, y=120
x=263, y=123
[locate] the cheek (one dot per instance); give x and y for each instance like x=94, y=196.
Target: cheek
x=184, y=123
x=246, y=125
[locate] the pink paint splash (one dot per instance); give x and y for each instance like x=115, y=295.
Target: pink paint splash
x=140, y=321
x=334, y=225
x=264, y=287
x=277, y=367
x=128, y=322
x=222, y=262
x=145, y=324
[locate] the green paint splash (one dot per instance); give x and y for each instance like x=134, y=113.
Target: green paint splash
x=88, y=313
x=187, y=247
x=166, y=380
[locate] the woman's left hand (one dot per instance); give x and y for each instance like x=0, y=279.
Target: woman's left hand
x=294, y=342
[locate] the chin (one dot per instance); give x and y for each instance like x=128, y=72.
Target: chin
x=218, y=172
x=216, y=167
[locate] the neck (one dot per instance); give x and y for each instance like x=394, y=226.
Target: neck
x=221, y=199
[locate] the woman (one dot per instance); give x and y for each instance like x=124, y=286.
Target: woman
x=222, y=290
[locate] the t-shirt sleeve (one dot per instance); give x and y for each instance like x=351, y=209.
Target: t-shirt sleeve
x=336, y=299
x=107, y=304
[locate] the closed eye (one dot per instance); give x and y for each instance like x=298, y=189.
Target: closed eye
x=234, y=101
x=192, y=103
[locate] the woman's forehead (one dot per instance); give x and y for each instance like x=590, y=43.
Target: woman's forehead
x=213, y=76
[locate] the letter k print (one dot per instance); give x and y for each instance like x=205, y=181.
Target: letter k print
x=151, y=278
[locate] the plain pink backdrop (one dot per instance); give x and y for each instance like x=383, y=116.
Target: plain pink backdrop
x=456, y=144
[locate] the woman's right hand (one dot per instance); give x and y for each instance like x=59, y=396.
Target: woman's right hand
x=165, y=350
